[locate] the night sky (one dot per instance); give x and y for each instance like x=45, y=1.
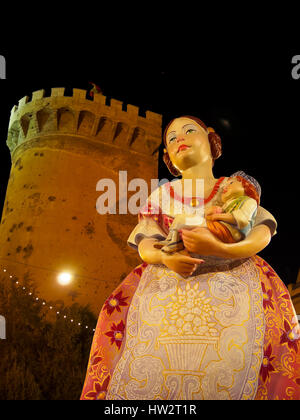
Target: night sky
x=248, y=96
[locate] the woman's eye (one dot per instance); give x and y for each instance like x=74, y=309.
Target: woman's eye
x=171, y=139
x=190, y=130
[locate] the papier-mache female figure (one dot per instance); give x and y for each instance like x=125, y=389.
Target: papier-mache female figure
x=213, y=321
x=230, y=223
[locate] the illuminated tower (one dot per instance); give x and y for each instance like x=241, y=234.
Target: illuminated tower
x=60, y=148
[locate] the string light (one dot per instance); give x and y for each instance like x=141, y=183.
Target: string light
x=52, y=271
x=66, y=277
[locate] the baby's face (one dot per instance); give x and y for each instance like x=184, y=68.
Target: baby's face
x=233, y=188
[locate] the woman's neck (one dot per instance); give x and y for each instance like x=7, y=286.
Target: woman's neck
x=202, y=171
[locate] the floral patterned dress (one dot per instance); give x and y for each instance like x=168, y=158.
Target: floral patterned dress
x=229, y=331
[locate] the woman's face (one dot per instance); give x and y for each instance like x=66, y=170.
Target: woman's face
x=187, y=144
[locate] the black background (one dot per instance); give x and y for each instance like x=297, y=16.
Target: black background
x=249, y=85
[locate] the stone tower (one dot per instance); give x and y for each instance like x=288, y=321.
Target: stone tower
x=60, y=148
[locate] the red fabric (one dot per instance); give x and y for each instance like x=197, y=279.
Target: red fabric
x=109, y=336
x=220, y=231
x=280, y=371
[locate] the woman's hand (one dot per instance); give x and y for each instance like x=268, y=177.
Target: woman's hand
x=181, y=262
x=201, y=241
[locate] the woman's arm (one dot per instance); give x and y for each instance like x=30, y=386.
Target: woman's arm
x=201, y=241
x=256, y=241
x=148, y=253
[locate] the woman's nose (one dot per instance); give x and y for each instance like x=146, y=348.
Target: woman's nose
x=179, y=139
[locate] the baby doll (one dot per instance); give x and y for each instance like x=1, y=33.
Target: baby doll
x=230, y=223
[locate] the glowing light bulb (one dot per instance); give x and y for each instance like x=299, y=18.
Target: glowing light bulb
x=64, y=279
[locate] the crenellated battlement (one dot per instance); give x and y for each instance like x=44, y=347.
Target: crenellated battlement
x=97, y=119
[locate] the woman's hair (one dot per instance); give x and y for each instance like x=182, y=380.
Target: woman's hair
x=214, y=141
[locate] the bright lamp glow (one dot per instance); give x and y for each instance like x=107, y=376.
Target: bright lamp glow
x=64, y=279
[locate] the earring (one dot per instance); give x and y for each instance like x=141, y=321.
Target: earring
x=165, y=150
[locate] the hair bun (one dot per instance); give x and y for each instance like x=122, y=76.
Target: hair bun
x=169, y=164
x=215, y=145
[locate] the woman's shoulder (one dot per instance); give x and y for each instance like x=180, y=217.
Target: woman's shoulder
x=158, y=195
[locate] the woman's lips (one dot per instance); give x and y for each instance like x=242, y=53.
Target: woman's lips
x=182, y=147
